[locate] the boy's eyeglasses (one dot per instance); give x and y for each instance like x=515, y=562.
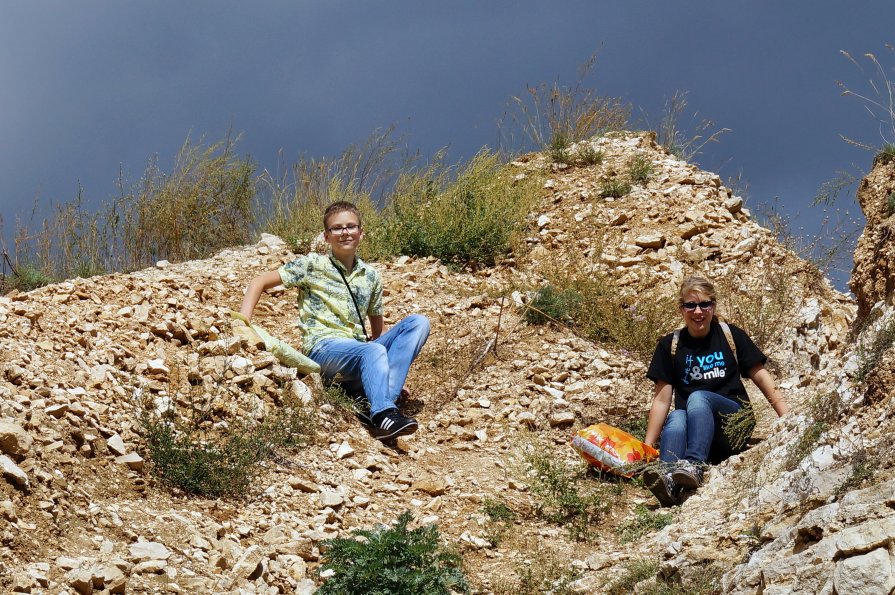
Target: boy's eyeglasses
x=691, y=306
x=347, y=228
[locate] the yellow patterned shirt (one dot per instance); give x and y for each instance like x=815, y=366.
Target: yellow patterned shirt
x=325, y=309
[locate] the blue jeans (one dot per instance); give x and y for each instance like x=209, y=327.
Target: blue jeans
x=378, y=368
x=696, y=433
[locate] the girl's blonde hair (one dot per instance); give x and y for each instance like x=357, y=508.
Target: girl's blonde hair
x=701, y=285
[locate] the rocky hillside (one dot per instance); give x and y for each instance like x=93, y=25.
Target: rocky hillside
x=808, y=508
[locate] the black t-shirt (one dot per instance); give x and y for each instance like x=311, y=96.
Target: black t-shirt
x=706, y=363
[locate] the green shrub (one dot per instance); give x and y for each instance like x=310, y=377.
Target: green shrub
x=191, y=449
x=886, y=154
x=823, y=413
x=549, y=304
x=392, y=561
x=705, y=581
x=24, y=278
x=588, y=155
x=738, y=427
x=558, y=149
x=471, y=215
x=543, y=571
x=890, y=204
x=563, y=492
x=500, y=518
x=598, y=311
x=869, y=354
x=633, y=572
x=640, y=169
x=205, y=204
x=614, y=187
x=644, y=521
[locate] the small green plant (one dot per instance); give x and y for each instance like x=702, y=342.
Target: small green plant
x=738, y=427
x=558, y=149
x=543, y=571
x=644, y=521
x=890, y=204
x=870, y=354
x=886, y=154
x=500, y=518
x=191, y=450
x=564, y=493
x=685, y=140
x=550, y=110
x=823, y=412
x=633, y=573
x=25, y=278
x=473, y=214
x=638, y=573
x=550, y=304
x=614, y=187
x=600, y=312
x=863, y=468
x=392, y=561
x=588, y=155
x=640, y=169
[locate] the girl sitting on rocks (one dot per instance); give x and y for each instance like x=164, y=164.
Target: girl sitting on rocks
x=701, y=365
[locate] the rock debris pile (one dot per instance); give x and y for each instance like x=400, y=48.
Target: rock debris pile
x=82, y=359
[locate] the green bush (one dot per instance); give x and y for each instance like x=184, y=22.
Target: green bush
x=640, y=169
x=869, y=354
x=188, y=448
x=471, y=215
x=550, y=304
x=564, y=493
x=203, y=205
x=886, y=154
x=614, y=187
x=890, y=204
x=644, y=521
x=705, y=581
x=24, y=278
x=596, y=310
x=363, y=174
x=588, y=155
x=500, y=518
x=392, y=561
x=558, y=149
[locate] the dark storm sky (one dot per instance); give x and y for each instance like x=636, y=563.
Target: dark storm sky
x=90, y=86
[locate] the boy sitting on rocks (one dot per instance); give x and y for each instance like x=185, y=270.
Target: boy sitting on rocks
x=337, y=291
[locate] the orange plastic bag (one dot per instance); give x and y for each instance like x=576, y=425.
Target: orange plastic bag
x=610, y=449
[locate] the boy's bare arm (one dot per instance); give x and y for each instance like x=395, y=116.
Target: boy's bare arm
x=376, y=326
x=259, y=285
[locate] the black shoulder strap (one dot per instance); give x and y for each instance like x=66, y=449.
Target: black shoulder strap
x=354, y=301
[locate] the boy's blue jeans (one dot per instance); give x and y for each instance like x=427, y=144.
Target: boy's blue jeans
x=378, y=368
x=696, y=432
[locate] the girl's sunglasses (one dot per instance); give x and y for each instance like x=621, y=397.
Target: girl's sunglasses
x=691, y=306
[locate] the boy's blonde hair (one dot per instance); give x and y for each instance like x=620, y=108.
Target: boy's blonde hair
x=340, y=207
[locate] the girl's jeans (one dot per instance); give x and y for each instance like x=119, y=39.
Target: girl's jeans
x=378, y=368
x=696, y=433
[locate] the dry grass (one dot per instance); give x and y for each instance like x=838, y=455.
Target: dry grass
x=203, y=205
x=552, y=116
